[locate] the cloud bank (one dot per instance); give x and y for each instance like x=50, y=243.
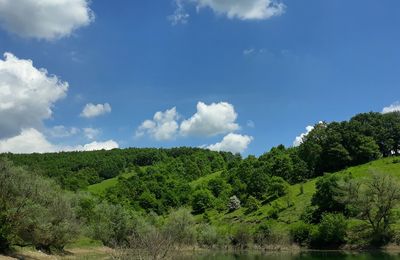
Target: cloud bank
x=44, y=19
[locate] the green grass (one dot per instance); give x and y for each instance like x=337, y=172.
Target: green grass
x=292, y=205
x=205, y=179
x=100, y=188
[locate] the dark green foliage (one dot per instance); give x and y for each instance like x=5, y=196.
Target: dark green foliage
x=373, y=201
x=262, y=234
x=325, y=197
x=202, y=200
x=301, y=233
x=77, y=170
x=331, y=231
x=241, y=237
x=34, y=211
x=252, y=204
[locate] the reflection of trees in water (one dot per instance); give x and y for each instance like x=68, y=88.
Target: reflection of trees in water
x=310, y=255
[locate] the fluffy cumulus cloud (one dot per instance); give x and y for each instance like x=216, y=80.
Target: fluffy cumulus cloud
x=44, y=19
x=210, y=120
x=163, y=126
x=29, y=141
x=395, y=107
x=235, y=143
x=27, y=95
x=32, y=141
x=239, y=9
x=92, y=110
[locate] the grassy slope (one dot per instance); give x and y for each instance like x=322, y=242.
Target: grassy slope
x=287, y=214
x=99, y=188
x=299, y=201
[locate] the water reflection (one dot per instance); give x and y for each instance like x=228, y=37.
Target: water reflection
x=315, y=255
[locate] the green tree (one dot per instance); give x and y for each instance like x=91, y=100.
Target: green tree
x=202, y=200
x=327, y=191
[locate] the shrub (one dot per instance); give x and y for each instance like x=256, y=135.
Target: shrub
x=111, y=224
x=207, y=235
x=241, y=237
x=202, y=200
x=331, y=231
x=262, y=234
x=301, y=233
x=252, y=204
x=180, y=226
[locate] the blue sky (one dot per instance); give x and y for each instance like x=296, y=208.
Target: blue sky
x=263, y=70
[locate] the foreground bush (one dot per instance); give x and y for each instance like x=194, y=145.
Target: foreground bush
x=34, y=211
x=331, y=231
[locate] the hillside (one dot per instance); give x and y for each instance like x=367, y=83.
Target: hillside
x=299, y=201
x=212, y=198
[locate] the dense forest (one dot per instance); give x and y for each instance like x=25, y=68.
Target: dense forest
x=174, y=196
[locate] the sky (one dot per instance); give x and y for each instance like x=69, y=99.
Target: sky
x=239, y=75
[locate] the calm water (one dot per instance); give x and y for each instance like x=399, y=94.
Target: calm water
x=292, y=256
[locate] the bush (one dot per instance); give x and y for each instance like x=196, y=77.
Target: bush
x=111, y=224
x=301, y=233
x=262, y=234
x=180, y=226
x=202, y=200
x=241, y=237
x=331, y=231
x=34, y=211
x=252, y=204
x=207, y=236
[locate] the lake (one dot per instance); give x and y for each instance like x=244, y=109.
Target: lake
x=313, y=255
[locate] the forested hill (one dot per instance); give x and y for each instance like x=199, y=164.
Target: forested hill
x=202, y=186
x=328, y=147
x=77, y=170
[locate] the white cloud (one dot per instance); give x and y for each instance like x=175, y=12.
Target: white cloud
x=61, y=131
x=234, y=143
x=29, y=141
x=27, y=95
x=244, y=10
x=210, y=120
x=164, y=125
x=180, y=16
x=44, y=19
x=92, y=110
x=91, y=133
x=395, y=107
x=299, y=139
x=239, y=9
x=93, y=146
x=32, y=141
